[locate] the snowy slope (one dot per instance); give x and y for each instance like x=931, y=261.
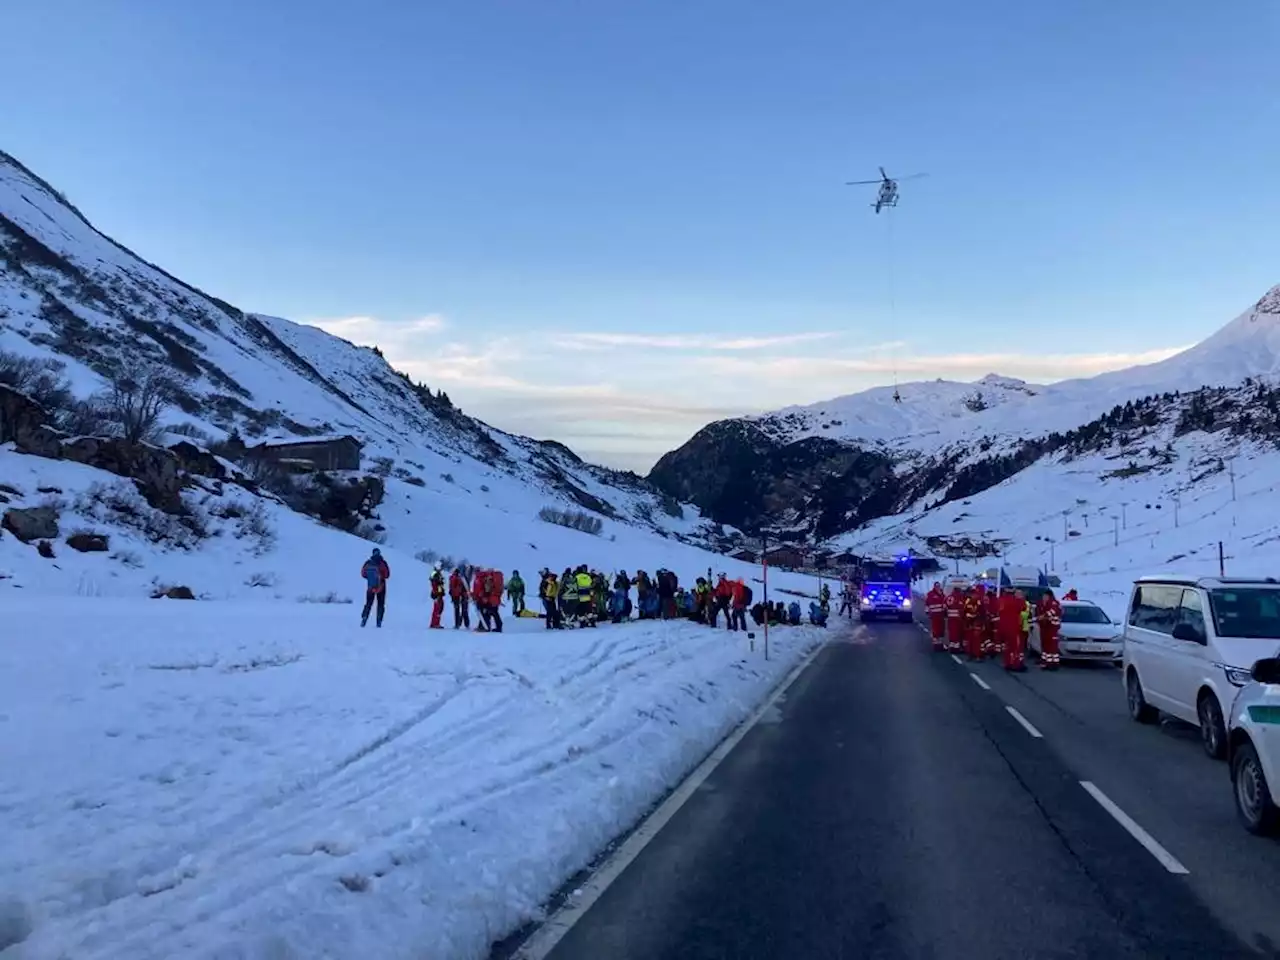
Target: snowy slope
x=70, y=293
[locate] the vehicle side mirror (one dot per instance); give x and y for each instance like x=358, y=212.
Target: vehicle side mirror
x=1267, y=671
x=1184, y=631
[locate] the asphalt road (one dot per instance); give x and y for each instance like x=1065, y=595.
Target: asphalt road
x=891, y=807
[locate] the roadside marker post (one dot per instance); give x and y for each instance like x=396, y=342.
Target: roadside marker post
x=764, y=563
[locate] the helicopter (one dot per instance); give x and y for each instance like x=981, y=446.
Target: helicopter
x=888, y=195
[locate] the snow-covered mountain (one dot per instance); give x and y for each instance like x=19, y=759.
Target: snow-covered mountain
x=831, y=466
x=84, y=308
x=931, y=415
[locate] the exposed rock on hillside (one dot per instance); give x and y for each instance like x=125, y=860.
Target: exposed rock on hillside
x=33, y=523
x=740, y=475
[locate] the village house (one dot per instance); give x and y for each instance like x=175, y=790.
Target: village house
x=784, y=556
x=321, y=453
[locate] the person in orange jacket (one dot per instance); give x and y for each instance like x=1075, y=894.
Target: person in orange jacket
x=1071, y=595
x=486, y=590
x=1009, y=628
x=1050, y=621
x=975, y=626
x=935, y=606
x=740, y=600
x=721, y=598
x=375, y=573
x=461, y=600
x=437, y=596
x=955, y=620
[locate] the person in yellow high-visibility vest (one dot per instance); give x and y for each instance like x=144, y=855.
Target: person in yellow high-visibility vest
x=586, y=604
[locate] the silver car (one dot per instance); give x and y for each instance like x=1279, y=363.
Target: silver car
x=1087, y=633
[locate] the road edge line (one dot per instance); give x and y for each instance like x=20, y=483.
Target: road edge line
x=1026, y=724
x=1153, y=847
x=557, y=926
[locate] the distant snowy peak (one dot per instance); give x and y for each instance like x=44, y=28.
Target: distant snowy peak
x=908, y=415
x=1012, y=384
x=927, y=416
x=1254, y=335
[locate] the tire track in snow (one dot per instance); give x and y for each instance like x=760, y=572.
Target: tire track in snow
x=532, y=762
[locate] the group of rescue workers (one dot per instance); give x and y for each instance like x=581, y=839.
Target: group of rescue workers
x=979, y=622
x=582, y=597
x=986, y=623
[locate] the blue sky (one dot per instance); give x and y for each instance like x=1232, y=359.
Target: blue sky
x=608, y=222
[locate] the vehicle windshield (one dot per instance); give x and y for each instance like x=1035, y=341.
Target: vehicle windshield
x=1032, y=593
x=884, y=573
x=1246, y=612
x=1084, y=615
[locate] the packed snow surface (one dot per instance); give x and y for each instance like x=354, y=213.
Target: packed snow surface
x=268, y=780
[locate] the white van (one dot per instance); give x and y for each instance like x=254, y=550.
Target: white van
x=1190, y=643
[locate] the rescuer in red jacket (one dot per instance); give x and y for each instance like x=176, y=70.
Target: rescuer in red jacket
x=975, y=627
x=991, y=644
x=1050, y=617
x=1009, y=629
x=437, y=596
x=935, y=605
x=955, y=620
x=461, y=598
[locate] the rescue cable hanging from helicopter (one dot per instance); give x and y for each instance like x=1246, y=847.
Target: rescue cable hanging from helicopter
x=887, y=199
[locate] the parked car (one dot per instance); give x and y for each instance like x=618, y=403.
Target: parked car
x=1253, y=749
x=1087, y=634
x=1190, y=644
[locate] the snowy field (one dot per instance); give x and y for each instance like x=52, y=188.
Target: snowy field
x=266, y=780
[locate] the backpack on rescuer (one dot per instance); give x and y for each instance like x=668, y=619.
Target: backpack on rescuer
x=375, y=572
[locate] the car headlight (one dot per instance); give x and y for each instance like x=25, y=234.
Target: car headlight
x=1238, y=676
x=866, y=601
x=906, y=602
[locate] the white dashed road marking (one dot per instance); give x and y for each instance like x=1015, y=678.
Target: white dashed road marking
x=1167, y=860
x=980, y=682
x=1026, y=724
x=957, y=660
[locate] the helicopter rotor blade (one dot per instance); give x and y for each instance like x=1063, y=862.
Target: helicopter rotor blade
x=858, y=183
x=883, y=175
x=914, y=176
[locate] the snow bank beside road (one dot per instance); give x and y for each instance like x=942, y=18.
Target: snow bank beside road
x=262, y=780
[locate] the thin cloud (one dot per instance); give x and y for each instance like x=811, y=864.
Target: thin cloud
x=680, y=341
x=365, y=331
x=670, y=385
x=1036, y=367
